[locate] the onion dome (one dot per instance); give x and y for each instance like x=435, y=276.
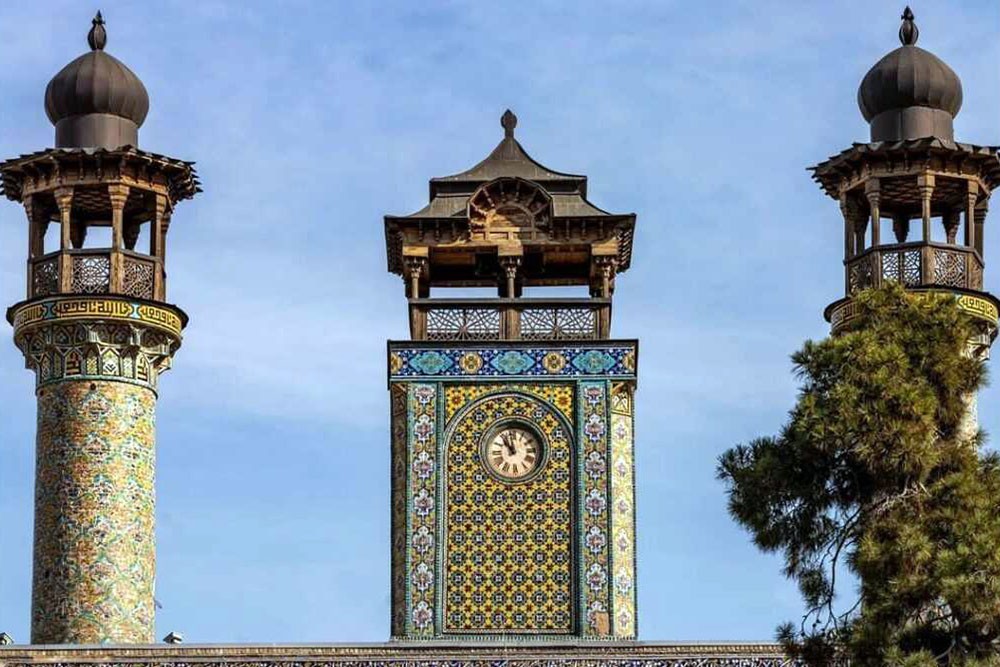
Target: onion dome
x=96, y=101
x=910, y=93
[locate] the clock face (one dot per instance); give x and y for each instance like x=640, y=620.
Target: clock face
x=513, y=453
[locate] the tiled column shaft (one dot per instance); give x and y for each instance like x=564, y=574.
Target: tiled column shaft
x=94, y=554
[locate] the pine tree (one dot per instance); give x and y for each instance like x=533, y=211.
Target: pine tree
x=877, y=486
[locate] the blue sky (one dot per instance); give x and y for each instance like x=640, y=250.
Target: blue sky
x=310, y=121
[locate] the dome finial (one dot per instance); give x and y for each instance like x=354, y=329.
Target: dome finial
x=908, y=32
x=508, y=122
x=98, y=36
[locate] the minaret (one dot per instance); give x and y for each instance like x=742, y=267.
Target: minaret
x=97, y=331
x=512, y=417
x=913, y=171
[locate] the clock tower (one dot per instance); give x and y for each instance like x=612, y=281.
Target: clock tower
x=513, y=498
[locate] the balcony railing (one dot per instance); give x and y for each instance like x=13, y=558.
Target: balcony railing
x=916, y=264
x=95, y=271
x=510, y=319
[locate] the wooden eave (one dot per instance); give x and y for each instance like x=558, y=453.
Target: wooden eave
x=848, y=169
x=448, y=232
x=54, y=167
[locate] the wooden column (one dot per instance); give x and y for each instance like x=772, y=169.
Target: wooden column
x=32, y=243
x=848, y=212
x=64, y=200
x=981, y=211
x=873, y=193
x=900, y=227
x=951, y=221
x=509, y=265
x=118, y=195
x=156, y=247
x=604, y=269
x=972, y=197
x=925, y=183
x=414, y=272
x=510, y=314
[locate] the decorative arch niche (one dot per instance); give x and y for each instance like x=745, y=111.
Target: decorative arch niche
x=509, y=202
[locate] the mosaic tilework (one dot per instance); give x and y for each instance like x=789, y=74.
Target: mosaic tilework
x=600, y=515
x=594, y=524
x=397, y=402
x=422, y=474
x=508, y=547
x=623, y=511
x=612, y=361
x=94, y=557
x=96, y=351
x=560, y=395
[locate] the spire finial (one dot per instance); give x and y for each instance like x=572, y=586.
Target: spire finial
x=908, y=32
x=508, y=122
x=98, y=36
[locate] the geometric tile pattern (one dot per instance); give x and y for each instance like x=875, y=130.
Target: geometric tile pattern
x=94, y=557
x=124, y=352
x=610, y=361
x=508, y=549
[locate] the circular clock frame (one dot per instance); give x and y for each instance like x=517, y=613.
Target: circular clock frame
x=504, y=424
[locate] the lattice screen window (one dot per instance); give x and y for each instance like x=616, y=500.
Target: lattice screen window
x=91, y=274
x=463, y=324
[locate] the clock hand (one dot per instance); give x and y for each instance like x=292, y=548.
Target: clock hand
x=508, y=443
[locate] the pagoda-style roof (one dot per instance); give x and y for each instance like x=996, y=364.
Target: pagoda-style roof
x=508, y=159
x=509, y=203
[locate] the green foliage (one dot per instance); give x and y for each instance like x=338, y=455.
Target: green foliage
x=877, y=485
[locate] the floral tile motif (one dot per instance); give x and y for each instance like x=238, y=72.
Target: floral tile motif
x=422, y=473
x=623, y=511
x=94, y=557
x=397, y=402
x=593, y=489
x=616, y=361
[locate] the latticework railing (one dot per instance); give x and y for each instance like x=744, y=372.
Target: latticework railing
x=45, y=276
x=91, y=273
x=95, y=271
x=463, y=323
x=138, y=276
x=509, y=319
x=558, y=323
x=916, y=265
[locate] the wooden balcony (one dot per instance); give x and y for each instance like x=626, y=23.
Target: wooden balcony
x=95, y=271
x=510, y=319
x=917, y=264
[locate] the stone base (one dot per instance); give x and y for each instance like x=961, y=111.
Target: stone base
x=404, y=654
